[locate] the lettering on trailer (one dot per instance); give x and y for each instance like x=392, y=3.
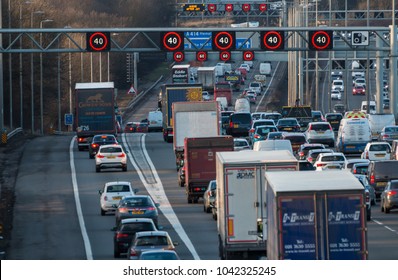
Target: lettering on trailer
x=245, y=174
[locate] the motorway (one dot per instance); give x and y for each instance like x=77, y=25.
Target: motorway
x=57, y=212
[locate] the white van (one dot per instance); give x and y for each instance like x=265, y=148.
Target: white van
x=265, y=68
x=372, y=107
x=272, y=145
x=353, y=135
x=155, y=121
x=242, y=105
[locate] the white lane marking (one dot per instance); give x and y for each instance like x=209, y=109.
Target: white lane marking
x=156, y=190
x=387, y=227
x=86, y=240
x=266, y=91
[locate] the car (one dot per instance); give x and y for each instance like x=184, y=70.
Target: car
x=337, y=75
x=380, y=172
x=159, y=255
x=132, y=127
x=338, y=85
x=305, y=165
x=149, y=240
x=317, y=116
x=360, y=168
x=377, y=151
x=112, y=193
x=241, y=144
x=225, y=119
x=245, y=66
x=181, y=176
x=359, y=82
x=98, y=140
x=350, y=162
x=125, y=232
x=206, y=96
x=331, y=166
x=209, y=195
x=386, y=103
x=389, y=197
x=325, y=158
x=137, y=206
x=389, y=133
x=358, y=90
x=252, y=98
x=273, y=116
x=335, y=95
x=295, y=138
x=306, y=147
x=256, y=116
x=257, y=123
x=320, y=132
x=256, y=87
x=339, y=108
x=334, y=119
x=239, y=124
x=364, y=181
x=288, y=124
x=261, y=132
x=274, y=135
x=313, y=154
x=110, y=156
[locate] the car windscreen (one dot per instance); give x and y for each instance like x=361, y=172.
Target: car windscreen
x=296, y=139
x=391, y=129
x=136, y=202
x=333, y=158
x=265, y=130
x=118, y=188
x=240, y=143
x=287, y=122
x=111, y=150
x=151, y=241
x=379, y=148
x=105, y=139
x=320, y=126
x=241, y=118
x=394, y=185
x=334, y=117
x=136, y=227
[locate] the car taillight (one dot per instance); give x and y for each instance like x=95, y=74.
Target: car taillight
x=133, y=252
x=372, y=179
x=123, y=210
x=100, y=156
x=122, y=235
x=367, y=197
x=386, y=136
x=391, y=193
x=354, y=171
x=367, y=155
x=301, y=154
x=122, y=155
x=105, y=198
x=151, y=209
x=231, y=124
x=320, y=164
x=251, y=130
x=257, y=136
x=309, y=159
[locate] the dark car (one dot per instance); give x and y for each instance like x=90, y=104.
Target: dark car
x=296, y=139
x=306, y=147
x=317, y=116
x=360, y=168
x=339, y=108
x=380, y=173
x=132, y=127
x=239, y=124
x=334, y=119
x=305, y=165
x=389, y=133
x=99, y=140
x=181, y=176
x=225, y=118
x=288, y=124
x=389, y=197
x=274, y=135
x=125, y=232
x=313, y=154
x=137, y=206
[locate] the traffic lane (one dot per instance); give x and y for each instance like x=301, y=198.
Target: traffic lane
x=45, y=225
x=199, y=226
x=383, y=235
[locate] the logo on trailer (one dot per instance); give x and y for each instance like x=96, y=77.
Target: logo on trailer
x=194, y=94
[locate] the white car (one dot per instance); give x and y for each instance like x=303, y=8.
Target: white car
x=256, y=87
x=359, y=82
x=110, y=156
x=320, y=132
x=338, y=85
x=206, y=96
x=377, y=151
x=326, y=158
x=245, y=66
x=335, y=95
x=112, y=193
x=241, y=144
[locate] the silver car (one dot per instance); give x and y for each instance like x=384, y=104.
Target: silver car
x=389, y=197
x=209, y=196
x=137, y=206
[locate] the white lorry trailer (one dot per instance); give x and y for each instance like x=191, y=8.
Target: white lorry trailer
x=193, y=119
x=241, y=200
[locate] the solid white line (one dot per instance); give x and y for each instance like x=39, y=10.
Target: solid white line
x=266, y=91
x=387, y=227
x=86, y=240
x=157, y=192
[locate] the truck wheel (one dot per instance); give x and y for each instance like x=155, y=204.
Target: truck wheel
x=97, y=169
x=195, y=200
x=189, y=199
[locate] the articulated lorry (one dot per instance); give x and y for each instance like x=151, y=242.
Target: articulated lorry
x=200, y=162
x=176, y=93
x=223, y=89
x=193, y=119
x=241, y=200
x=94, y=111
x=315, y=215
x=207, y=77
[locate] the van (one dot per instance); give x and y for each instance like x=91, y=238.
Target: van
x=239, y=124
x=272, y=145
x=155, y=121
x=380, y=173
x=242, y=105
x=353, y=135
x=372, y=107
x=265, y=68
x=378, y=121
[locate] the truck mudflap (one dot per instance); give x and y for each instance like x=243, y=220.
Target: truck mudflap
x=168, y=134
x=195, y=191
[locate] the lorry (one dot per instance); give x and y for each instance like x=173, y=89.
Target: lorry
x=180, y=73
x=234, y=79
x=241, y=200
x=303, y=114
x=94, y=111
x=200, y=162
x=223, y=89
x=315, y=215
x=193, y=119
x=207, y=77
x=171, y=93
x=378, y=121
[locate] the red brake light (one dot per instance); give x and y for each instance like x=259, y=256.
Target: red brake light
x=133, y=252
x=251, y=130
x=231, y=124
x=100, y=156
x=94, y=145
x=372, y=179
x=309, y=159
x=391, y=193
x=123, y=210
x=301, y=154
x=122, y=155
x=320, y=164
x=151, y=208
x=122, y=235
x=256, y=136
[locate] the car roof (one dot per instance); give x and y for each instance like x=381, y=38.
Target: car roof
x=332, y=154
x=136, y=220
x=110, y=145
x=293, y=134
x=151, y=233
x=117, y=183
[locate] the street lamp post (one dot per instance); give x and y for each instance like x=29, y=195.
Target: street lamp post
x=41, y=76
x=32, y=81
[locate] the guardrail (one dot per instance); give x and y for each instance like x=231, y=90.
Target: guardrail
x=14, y=132
x=136, y=100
